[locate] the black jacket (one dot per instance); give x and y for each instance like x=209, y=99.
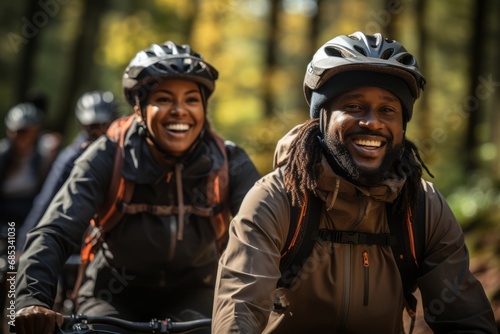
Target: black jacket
x=142, y=250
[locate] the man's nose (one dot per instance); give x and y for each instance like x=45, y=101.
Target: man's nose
x=370, y=120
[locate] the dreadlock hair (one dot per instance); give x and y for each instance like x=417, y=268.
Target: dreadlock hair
x=411, y=166
x=299, y=176
x=305, y=151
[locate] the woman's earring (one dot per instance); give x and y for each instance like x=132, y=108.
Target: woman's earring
x=141, y=130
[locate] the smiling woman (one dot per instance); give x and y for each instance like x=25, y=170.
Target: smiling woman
x=174, y=115
x=172, y=83
x=160, y=259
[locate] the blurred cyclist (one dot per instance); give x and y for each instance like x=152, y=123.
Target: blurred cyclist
x=95, y=110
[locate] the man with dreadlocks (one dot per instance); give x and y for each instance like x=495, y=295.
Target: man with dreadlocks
x=354, y=157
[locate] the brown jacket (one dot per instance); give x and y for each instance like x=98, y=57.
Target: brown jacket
x=335, y=292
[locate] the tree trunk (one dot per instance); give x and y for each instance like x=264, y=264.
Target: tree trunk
x=473, y=103
x=270, y=60
x=26, y=71
x=421, y=54
x=393, y=14
x=81, y=71
x=495, y=90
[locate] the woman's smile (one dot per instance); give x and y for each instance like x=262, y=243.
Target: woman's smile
x=175, y=115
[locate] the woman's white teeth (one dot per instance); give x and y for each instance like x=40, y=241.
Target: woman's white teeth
x=178, y=127
x=371, y=143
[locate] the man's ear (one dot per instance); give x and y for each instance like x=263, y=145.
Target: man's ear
x=137, y=112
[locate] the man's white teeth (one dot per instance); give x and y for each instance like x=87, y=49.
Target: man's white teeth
x=178, y=127
x=364, y=142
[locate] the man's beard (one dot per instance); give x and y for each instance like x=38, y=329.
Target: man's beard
x=342, y=160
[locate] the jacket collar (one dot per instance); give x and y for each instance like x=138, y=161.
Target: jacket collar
x=141, y=167
x=330, y=185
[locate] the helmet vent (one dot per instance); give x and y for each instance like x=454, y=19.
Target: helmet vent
x=408, y=60
x=360, y=50
x=161, y=67
x=333, y=52
x=167, y=59
x=372, y=40
x=387, y=54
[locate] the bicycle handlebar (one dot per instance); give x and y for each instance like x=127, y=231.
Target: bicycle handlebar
x=153, y=326
x=77, y=324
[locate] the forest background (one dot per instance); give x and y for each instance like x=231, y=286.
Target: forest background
x=63, y=48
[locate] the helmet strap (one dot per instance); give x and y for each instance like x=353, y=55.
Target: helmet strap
x=144, y=131
x=204, y=97
x=322, y=121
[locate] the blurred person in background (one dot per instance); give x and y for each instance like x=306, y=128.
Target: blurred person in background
x=26, y=155
x=95, y=110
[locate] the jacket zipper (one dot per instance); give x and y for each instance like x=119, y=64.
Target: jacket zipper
x=366, y=265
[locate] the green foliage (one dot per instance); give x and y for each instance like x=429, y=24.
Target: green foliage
x=257, y=135
x=477, y=202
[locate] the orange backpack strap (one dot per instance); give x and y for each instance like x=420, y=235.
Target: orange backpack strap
x=304, y=224
x=109, y=214
x=218, y=196
x=120, y=190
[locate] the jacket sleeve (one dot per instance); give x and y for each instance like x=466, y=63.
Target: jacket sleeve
x=249, y=268
x=60, y=231
x=453, y=299
x=61, y=168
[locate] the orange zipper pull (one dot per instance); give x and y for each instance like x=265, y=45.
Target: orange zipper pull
x=365, y=259
x=169, y=176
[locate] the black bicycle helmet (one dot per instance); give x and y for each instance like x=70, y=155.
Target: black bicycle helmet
x=96, y=107
x=166, y=60
x=23, y=115
x=367, y=54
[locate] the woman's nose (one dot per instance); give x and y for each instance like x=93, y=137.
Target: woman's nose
x=176, y=108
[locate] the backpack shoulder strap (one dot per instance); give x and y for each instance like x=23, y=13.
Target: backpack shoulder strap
x=409, y=249
x=419, y=230
x=304, y=232
x=304, y=223
x=120, y=190
x=108, y=215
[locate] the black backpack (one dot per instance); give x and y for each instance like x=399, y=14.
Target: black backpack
x=405, y=238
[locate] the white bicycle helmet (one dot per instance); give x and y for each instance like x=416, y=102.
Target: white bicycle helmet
x=96, y=107
x=368, y=54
